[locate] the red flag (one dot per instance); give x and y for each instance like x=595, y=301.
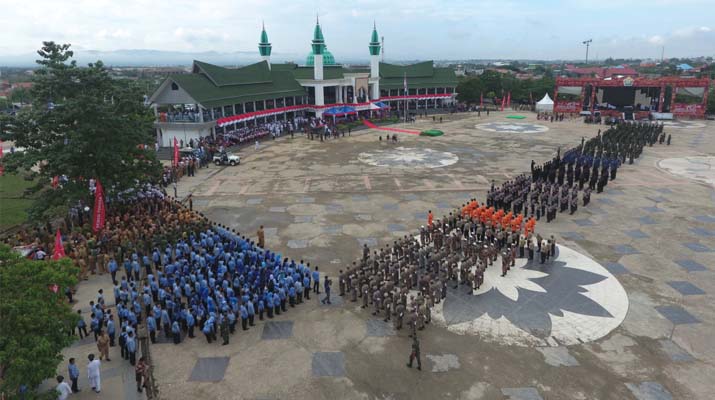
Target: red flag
x=481, y=99
x=99, y=210
x=176, y=152
x=59, y=250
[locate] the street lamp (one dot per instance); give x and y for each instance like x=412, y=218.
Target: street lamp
x=587, y=43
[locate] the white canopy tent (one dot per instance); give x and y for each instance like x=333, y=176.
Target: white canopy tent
x=545, y=104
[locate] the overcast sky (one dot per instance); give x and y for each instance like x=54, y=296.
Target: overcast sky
x=415, y=29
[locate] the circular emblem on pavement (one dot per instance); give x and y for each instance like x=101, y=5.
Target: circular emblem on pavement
x=701, y=169
x=683, y=124
x=407, y=157
x=512, y=127
x=568, y=300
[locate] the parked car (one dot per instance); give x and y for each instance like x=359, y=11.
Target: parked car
x=227, y=159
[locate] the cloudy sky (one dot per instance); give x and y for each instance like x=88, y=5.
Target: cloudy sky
x=415, y=29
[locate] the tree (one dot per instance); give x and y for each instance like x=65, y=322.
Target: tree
x=711, y=102
x=82, y=124
x=33, y=319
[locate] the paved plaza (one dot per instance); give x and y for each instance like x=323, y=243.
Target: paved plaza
x=624, y=311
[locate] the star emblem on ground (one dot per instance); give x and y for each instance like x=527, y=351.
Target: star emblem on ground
x=569, y=300
x=408, y=157
x=700, y=169
x=512, y=127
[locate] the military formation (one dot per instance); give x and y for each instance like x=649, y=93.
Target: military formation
x=401, y=282
x=554, y=186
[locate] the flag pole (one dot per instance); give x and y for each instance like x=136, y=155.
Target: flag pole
x=406, y=92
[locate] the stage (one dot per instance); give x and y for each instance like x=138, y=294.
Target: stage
x=638, y=98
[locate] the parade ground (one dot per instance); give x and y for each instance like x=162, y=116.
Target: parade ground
x=623, y=312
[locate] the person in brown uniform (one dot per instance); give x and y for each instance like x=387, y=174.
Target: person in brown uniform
x=261, y=237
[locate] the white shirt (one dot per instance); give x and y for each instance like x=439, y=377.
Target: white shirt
x=93, y=368
x=64, y=389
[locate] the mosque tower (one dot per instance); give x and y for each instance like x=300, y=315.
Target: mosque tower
x=264, y=47
x=318, y=47
x=375, y=62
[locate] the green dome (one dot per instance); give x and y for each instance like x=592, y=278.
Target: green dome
x=328, y=58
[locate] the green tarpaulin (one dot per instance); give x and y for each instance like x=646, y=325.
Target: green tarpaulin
x=516, y=116
x=432, y=132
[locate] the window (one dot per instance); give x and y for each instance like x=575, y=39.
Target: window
x=450, y=90
x=174, y=86
x=440, y=90
x=239, y=108
x=260, y=105
x=279, y=102
x=270, y=104
x=289, y=101
x=249, y=107
x=227, y=111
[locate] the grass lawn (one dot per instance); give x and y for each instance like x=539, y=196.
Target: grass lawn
x=13, y=204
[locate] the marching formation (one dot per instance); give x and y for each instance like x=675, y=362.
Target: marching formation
x=403, y=281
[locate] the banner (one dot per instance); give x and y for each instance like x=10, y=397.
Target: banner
x=175, y=161
x=59, y=250
x=688, y=109
x=567, y=106
x=99, y=210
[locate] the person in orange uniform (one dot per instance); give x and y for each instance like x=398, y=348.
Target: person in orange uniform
x=430, y=218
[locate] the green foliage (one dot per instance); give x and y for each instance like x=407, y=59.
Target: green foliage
x=33, y=319
x=94, y=130
x=711, y=102
x=13, y=199
x=493, y=84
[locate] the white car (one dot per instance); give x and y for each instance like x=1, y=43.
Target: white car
x=227, y=159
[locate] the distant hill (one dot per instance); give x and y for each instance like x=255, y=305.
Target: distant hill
x=150, y=58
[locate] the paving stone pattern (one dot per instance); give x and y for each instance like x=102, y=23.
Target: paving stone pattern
x=209, y=369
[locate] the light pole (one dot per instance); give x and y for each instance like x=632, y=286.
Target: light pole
x=587, y=43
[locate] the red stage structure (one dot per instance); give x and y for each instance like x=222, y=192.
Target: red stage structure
x=655, y=92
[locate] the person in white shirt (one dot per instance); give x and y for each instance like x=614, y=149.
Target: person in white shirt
x=62, y=388
x=93, y=369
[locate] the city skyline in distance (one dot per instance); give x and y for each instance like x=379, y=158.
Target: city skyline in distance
x=138, y=32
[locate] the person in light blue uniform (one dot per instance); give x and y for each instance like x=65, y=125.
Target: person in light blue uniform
x=131, y=348
x=151, y=326
x=244, y=317
x=176, y=331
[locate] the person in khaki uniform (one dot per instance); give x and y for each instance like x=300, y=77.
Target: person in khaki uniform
x=261, y=237
x=103, y=345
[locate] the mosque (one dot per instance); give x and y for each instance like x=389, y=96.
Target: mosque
x=214, y=99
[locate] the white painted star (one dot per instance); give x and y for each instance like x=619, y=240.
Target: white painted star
x=517, y=277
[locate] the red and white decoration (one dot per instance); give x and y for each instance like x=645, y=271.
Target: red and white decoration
x=225, y=121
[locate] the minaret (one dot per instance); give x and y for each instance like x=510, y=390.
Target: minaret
x=264, y=47
x=375, y=62
x=318, y=49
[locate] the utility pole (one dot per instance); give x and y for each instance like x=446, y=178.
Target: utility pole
x=662, y=54
x=587, y=43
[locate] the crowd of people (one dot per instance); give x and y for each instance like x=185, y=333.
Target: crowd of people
x=406, y=279
x=175, y=272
